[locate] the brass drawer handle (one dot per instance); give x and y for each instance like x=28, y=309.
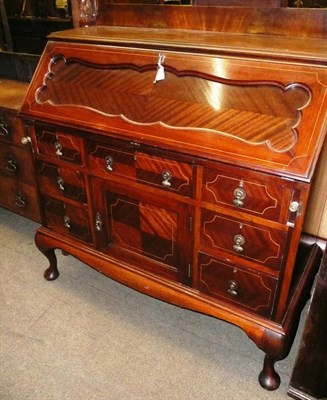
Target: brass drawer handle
x=240, y=195
x=11, y=164
x=166, y=175
x=61, y=183
x=4, y=129
x=98, y=222
x=67, y=222
x=58, y=148
x=109, y=163
x=233, y=287
x=25, y=140
x=239, y=240
x=20, y=200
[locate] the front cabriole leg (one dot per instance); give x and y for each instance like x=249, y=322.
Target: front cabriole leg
x=51, y=273
x=268, y=378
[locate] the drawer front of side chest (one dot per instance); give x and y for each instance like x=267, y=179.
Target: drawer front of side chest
x=19, y=192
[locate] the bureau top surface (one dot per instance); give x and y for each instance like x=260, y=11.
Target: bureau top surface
x=247, y=99
x=285, y=47
x=12, y=93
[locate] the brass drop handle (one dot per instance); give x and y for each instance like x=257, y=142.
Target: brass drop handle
x=25, y=140
x=98, y=222
x=61, y=183
x=294, y=206
x=240, y=195
x=233, y=286
x=3, y=129
x=109, y=163
x=58, y=148
x=20, y=200
x=239, y=240
x=166, y=175
x=67, y=222
x=11, y=164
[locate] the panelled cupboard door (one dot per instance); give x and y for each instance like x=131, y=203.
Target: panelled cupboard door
x=144, y=227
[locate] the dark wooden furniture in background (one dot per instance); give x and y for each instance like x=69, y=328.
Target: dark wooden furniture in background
x=309, y=376
x=30, y=22
x=182, y=168
x=18, y=192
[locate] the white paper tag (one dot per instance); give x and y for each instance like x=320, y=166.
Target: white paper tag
x=160, y=74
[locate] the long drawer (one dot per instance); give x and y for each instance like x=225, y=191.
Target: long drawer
x=252, y=290
x=247, y=240
x=159, y=172
x=255, y=193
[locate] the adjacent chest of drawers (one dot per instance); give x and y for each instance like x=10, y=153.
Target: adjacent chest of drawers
x=17, y=179
x=182, y=175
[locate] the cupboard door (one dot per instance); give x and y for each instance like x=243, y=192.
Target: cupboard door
x=144, y=227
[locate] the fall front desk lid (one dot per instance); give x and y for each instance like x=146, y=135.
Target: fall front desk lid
x=269, y=114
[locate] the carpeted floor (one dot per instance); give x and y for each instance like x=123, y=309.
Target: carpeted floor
x=85, y=337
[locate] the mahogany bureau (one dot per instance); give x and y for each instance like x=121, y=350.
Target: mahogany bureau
x=182, y=169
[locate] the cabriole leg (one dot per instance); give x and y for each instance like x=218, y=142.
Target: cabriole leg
x=51, y=273
x=268, y=378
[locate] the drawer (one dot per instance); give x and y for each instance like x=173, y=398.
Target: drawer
x=147, y=169
x=67, y=219
x=114, y=160
x=259, y=194
x=20, y=198
x=61, y=182
x=16, y=163
x=59, y=145
x=257, y=243
x=249, y=289
x=11, y=127
x=164, y=173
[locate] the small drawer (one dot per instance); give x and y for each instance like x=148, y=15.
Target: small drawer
x=20, y=198
x=59, y=145
x=17, y=163
x=252, y=290
x=67, y=219
x=164, y=173
x=61, y=182
x=113, y=160
x=261, y=195
x=257, y=243
x=11, y=127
